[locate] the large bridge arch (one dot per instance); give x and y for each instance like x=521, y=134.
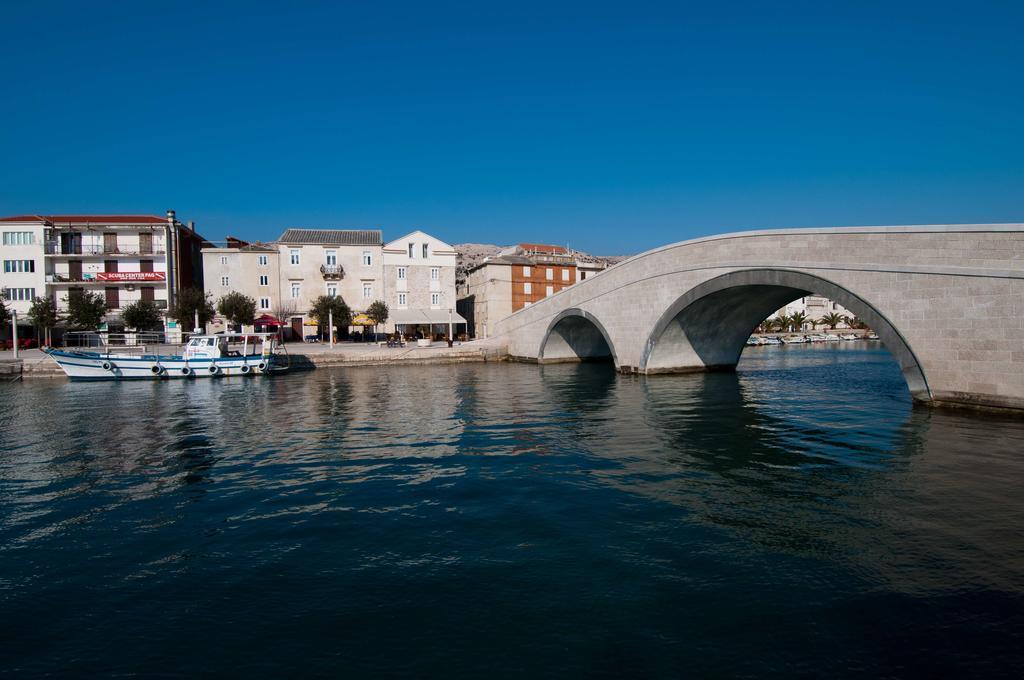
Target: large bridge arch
x=575, y=335
x=707, y=326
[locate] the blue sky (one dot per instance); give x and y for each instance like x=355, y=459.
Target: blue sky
x=613, y=128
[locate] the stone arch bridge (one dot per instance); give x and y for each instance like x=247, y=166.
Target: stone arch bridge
x=947, y=301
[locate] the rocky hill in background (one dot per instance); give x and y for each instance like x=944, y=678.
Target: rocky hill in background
x=472, y=254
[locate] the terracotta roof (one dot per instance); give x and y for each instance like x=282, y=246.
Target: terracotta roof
x=543, y=248
x=88, y=219
x=334, y=237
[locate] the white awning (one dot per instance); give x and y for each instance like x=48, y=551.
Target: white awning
x=416, y=317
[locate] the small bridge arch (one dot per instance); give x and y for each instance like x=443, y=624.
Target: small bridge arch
x=706, y=328
x=575, y=335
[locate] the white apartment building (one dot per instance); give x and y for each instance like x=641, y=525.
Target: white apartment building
x=419, y=282
x=815, y=307
x=23, y=276
x=315, y=262
x=122, y=257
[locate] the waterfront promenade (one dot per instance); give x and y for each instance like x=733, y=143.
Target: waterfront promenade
x=35, y=364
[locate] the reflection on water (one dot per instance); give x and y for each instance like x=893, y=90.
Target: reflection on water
x=798, y=517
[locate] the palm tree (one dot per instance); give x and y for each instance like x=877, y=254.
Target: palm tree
x=797, y=320
x=832, y=319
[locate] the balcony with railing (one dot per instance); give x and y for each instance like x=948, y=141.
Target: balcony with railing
x=332, y=271
x=58, y=248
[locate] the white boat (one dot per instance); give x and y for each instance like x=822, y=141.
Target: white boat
x=794, y=339
x=872, y=336
x=850, y=336
x=832, y=337
x=817, y=337
x=205, y=356
x=771, y=340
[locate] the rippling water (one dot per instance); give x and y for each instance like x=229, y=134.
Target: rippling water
x=797, y=518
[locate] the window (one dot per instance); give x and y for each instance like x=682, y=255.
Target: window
x=401, y=273
x=331, y=257
x=550, y=290
x=20, y=294
x=549, y=274
x=583, y=275
x=527, y=287
x=403, y=299
x=565, y=274
x=332, y=290
x=264, y=280
x=426, y=251
x=435, y=273
x=435, y=299
x=526, y=271
x=223, y=259
x=224, y=281
x=19, y=238
x=294, y=255
x=367, y=258
x=367, y=291
x=14, y=266
x=261, y=260
x=296, y=290
x=411, y=246
x=264, y=303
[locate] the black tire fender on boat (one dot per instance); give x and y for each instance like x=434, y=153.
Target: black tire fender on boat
x=186, y=371
x=246, y=369
x=262, y=366
x=107, y=366
x=157, y=370
x=214, y=369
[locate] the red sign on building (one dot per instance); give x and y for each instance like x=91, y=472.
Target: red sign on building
x=131, y=276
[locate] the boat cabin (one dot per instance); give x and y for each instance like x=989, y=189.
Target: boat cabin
x=220, y=345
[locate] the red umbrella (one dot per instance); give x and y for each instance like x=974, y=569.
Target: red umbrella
x=268, y=320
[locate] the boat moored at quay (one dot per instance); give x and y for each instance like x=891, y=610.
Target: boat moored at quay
x=204, y=356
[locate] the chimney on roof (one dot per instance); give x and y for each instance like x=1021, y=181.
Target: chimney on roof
x=192, y=226
x=170, y=215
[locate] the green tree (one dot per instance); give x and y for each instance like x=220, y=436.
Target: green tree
x=142, y=315
x=85, y=310
x=5, y=314
x=780, y=322
x=237, y=308
x=378, y=313
x=325, y=305
x=43, y=315
x=797, y=320
x=190, y=301
x=832, y=319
